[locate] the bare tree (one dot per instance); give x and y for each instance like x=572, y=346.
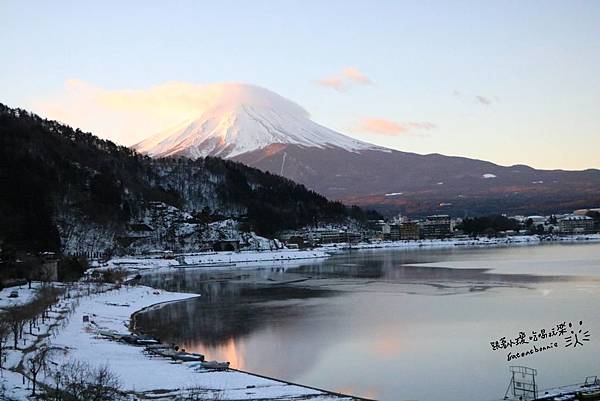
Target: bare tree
x=37, y=363
x=16, y=319
x=104, y=385
x=115, y=276
x=78, y=381
x=198, y=393
x=18, y=316
x=5, y=330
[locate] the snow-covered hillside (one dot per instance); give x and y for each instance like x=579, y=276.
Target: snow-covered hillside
x=239, y=118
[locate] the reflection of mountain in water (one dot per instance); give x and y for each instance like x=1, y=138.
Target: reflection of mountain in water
x=235, y=303
x=225, y=309
x=231, y=307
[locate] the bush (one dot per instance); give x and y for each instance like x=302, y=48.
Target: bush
x=79, y=381
x=72, y=268
x=198, y=393
x=114, y=276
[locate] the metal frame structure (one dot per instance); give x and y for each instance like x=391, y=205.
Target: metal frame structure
x=522, y=383
x=591, y=380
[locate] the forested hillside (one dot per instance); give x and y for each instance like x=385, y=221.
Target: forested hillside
x=59, y=183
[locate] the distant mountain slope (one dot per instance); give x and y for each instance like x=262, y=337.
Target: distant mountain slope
x=422, y=184
x=55, y=180
x=262, y=129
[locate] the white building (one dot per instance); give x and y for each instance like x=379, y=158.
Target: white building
x=575, y=224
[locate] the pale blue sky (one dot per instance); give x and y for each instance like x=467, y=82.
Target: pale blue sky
x=537, y=64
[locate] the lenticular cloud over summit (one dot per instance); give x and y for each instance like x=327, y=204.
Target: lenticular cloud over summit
x=232, y=119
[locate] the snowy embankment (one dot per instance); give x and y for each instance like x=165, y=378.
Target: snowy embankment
x=434, y=243
x=251, y=256
x=141, y=375
x=578, y=238
x=208, y=259
x=458, y=242
x=261, y=258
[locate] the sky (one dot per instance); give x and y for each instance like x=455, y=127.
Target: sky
x=512, y=82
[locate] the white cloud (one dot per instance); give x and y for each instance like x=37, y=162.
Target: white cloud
x=345, y=79
x=124, y=116
x=383, y=126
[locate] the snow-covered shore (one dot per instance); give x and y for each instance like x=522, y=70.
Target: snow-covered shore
x=212, y=259
x=459, y=242
x=251, y=256
x=140, y=374
x=291, y=256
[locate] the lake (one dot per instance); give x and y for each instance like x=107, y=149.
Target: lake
x=395, y=325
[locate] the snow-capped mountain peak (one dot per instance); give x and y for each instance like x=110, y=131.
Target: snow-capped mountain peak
x=240, y=118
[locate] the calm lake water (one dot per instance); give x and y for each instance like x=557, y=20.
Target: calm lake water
x=394, y=325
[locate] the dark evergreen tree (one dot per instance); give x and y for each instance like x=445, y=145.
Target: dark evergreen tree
x=48, y=169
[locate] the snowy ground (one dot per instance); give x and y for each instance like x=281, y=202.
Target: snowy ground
x=212, y=259
x=25, y=295
x=136, y=263
x=250, y=256
x=155, y=377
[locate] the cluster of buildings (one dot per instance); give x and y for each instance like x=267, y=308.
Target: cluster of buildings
x=164, y=227
x=397, y=229
x=578, y=222
x=401, y=228
x=575, y=224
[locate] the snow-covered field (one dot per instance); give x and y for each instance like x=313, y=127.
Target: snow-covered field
x=154, y=377
x=25, y=295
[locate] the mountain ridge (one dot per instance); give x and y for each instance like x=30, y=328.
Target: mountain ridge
x=355, y=172
x=428, y=184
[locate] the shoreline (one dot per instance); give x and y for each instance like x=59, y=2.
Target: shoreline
x=258, y=375
x=521, y=240
x=209, y=259
x=287, y=257
x=160, y=373
x=112, y=309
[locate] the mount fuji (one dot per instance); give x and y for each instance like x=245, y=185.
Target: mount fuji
x=262, y=129
x=238, y=119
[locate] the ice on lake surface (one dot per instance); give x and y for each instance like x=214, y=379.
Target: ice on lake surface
x=393, y=325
